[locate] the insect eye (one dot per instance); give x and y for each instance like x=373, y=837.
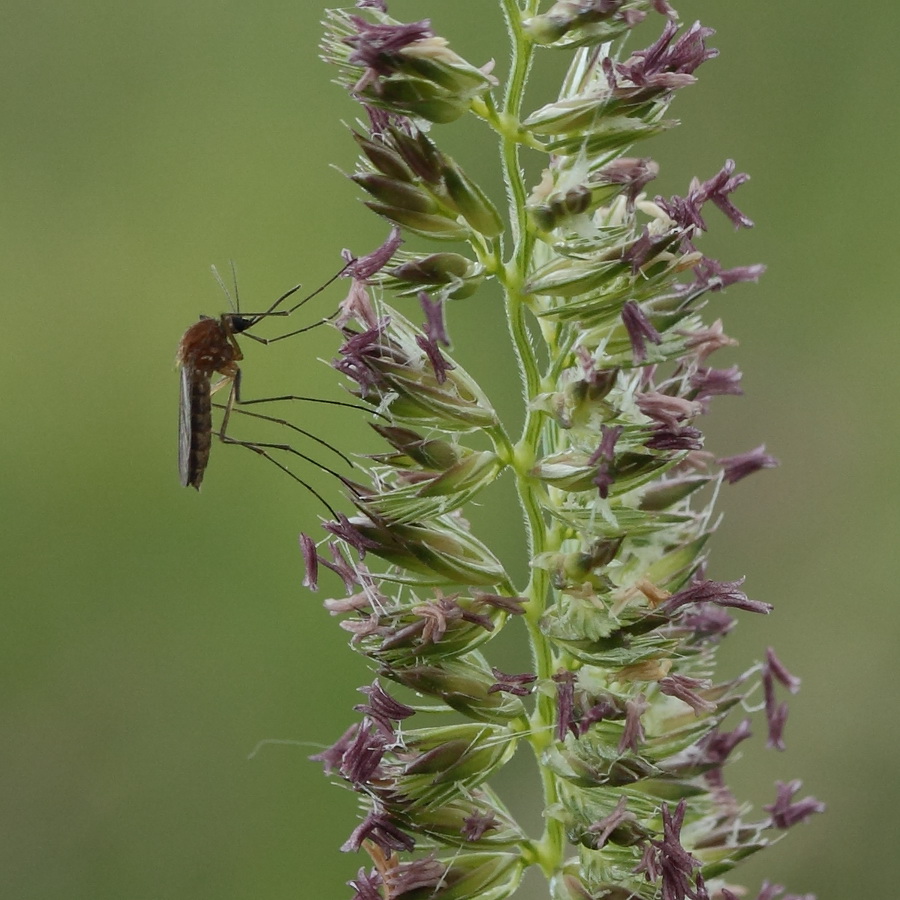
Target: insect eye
x=240, y=323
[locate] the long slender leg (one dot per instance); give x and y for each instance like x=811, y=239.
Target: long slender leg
x=235, y=303
x=261, y=447
x=223, y=435
x=319, y=290
x=272, y=309
x=303, y=431
x=229, y=404
x=241, y=401
x=281, y=337
x=259, y=450
x=367, y=409
x=236, y=390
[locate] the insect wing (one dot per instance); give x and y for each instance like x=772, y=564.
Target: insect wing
x=184, y=428
x=194, y=426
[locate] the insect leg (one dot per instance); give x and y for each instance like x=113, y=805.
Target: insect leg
x=234, y=397
x=319, y=290
x=303, y=431
x=271, y=311
x=261, y=450
x=281, y=337
x=239, y=400
x=369, y=409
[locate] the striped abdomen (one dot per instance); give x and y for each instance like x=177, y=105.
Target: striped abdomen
x=194, y=426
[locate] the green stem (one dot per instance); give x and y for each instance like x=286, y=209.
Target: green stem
x=550, y=848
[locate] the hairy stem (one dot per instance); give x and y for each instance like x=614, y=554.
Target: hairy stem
x=550, y=848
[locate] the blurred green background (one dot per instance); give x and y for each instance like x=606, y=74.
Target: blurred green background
x=152, y=637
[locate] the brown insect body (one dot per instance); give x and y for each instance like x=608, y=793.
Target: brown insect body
x=207, y=347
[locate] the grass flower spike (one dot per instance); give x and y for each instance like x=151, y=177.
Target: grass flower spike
x=606, y=294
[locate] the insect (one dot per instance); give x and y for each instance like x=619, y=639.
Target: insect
x=210, y=347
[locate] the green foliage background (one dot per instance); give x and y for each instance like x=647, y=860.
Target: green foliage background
x=152, y=636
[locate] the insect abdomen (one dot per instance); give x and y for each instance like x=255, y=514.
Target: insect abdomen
x=196, y=427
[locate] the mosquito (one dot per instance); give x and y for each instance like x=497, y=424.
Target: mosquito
x=210, y=347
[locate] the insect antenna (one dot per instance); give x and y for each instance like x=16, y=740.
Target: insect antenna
x=234, y=281
x=233, y=300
